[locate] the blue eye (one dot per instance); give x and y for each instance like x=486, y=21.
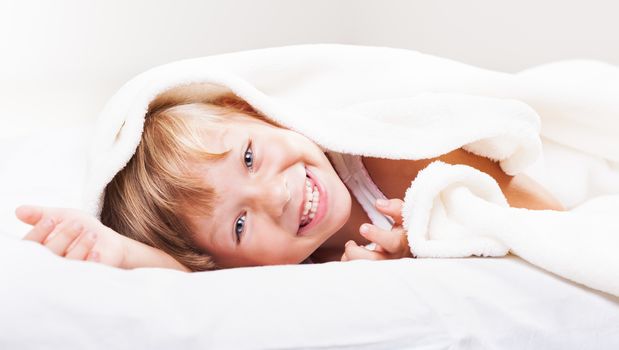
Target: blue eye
x=239, y=227
x=248, y=157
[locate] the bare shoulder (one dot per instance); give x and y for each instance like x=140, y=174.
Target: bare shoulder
x=521, y=191
x=393, y=177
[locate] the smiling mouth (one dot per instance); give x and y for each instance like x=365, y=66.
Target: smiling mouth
x=311, y=199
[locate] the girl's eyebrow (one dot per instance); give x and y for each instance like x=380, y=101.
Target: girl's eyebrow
x=223, y=141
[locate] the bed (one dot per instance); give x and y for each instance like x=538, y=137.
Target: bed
x=474, y=303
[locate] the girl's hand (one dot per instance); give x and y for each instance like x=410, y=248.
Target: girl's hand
x=389, y=244
x=73, y=234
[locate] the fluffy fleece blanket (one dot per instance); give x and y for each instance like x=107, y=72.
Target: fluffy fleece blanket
x=401, y=104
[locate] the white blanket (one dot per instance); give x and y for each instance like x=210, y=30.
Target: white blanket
x=458, y=211
x=401, y=104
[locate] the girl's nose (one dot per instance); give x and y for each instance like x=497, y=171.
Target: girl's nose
x=272, y=195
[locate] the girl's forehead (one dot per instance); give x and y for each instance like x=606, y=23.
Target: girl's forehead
x=215, y=139
x=223, y=136
x=227, y=135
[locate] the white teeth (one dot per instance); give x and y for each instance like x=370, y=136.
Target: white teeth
x=308, y=195
x=312, y=197
x=307, y=208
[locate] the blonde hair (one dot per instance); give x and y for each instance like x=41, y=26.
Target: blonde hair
x=144, y=200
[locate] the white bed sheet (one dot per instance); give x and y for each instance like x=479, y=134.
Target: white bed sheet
x=50, y=302
x=504, y=303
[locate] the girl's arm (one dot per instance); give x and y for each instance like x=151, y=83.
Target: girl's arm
x=520, y=191
x=76, y=235
x=138, y=254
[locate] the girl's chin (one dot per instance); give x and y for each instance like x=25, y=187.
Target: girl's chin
x=340, y=210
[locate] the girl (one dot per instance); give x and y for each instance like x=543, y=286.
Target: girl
x=215, y=185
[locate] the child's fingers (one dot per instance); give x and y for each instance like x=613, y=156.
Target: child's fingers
x=379, y=249
x=41, y=230
x=391, y=207
x=93, y=256
x=29, y=214
x=374, y=247
x=59, y=240
x=81, y=247
x=390, y=241
x=354, y=252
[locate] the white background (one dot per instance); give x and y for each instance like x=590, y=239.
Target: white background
x=61, y=60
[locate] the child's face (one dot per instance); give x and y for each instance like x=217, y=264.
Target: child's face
x=262, y=193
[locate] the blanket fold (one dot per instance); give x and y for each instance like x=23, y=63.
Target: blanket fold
x=402, y=104
x=457, y=211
